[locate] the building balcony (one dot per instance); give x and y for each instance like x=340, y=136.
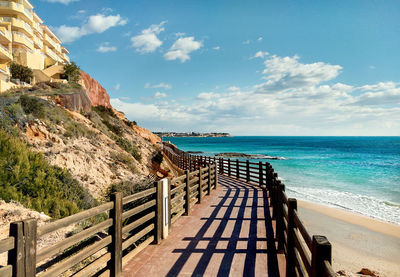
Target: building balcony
x=5, y=53
x=5, y=35
x=38, y=42
x=51, y=54
x=21, y=26
x=13, y=8
x=65, y=58
x=64, y=50
x=22, y=39
x=52, y=44
x=5, y=69
x=38, y=28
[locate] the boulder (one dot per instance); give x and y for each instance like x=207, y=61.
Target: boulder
x=368, y=272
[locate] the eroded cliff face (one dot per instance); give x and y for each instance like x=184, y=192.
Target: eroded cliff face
x=97, y=94
x=75, y=101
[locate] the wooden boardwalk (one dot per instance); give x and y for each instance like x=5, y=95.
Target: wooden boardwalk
x=229, y=234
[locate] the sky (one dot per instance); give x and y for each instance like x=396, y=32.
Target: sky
x=299, y=67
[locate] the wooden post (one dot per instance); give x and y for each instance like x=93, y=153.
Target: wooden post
x=216, y=176
x=159, y=212
x=30, y=232
x=237, y=169
x=16, y=256
x=115, y=248
x=247, y=171
x=169, y=204
x=187, y=190
x=267, y=176
x=209, y=178
x=321, y=251
x=200, y=185
x=279, y=218
x=229, y=167
x=221, y=166
x=260, y=174
x=290, y=257
x=276, y=196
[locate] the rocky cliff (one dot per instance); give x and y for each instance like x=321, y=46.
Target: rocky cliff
x=76, y=129
x=97, y=94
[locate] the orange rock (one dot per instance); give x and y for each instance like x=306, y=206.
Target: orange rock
x=369, y=272
x=146, y=134
x=97, y=94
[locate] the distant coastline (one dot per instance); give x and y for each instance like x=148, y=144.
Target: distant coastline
x=192, y=134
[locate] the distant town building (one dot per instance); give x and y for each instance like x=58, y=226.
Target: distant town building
x=191, y=134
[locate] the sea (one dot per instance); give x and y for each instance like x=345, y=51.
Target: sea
x=357, y=174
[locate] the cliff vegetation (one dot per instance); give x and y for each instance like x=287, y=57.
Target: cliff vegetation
x=60, y=153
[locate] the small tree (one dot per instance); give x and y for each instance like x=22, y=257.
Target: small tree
x=72, y=71
x=23, y=73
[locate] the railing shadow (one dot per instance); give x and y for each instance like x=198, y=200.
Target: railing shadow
x=237, y=195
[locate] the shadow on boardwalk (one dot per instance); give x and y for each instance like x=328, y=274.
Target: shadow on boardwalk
x=230, y=235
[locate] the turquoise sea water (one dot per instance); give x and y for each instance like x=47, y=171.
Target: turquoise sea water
x=360, y=174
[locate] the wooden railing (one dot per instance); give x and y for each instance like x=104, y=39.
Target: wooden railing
x=305, y=255
x=105, y=237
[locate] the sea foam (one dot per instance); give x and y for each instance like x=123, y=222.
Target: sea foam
x=361, y=204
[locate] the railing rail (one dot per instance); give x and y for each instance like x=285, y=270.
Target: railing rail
x=106, y=237
x=306, y=255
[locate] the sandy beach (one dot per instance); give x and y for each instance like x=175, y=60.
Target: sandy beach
x=357, y=241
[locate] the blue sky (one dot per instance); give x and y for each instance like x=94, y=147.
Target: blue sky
x=244, y=67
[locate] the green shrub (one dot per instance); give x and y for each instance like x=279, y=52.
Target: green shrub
x=72, y=72
x=33, y=105
x=109, y=119
x=128, y=147
x=76, y=130
x=26, y=177
x=130, y=123
x=128, y=188
x=125, y=159
x=104, y=111
x=23, y=73
x=158, y=158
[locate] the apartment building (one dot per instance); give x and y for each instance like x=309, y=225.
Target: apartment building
x=25, y=40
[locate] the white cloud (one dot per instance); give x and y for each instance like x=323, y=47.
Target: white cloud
x=147, y=41
x=246, y=42
x=159, y=95
x=182, y=48
x=260, y=39
x=68, y=33
x=117, y=86
x=207, y=95
x=233, y=88
x=65, y=2
x=100, y=23
x=160, y=85
x=95, y=24
x=217, y=48
x=260, y=54
x=381, y=94
x=106, y=47
x=315, y=107
x=372, y=67
x=284, y=73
